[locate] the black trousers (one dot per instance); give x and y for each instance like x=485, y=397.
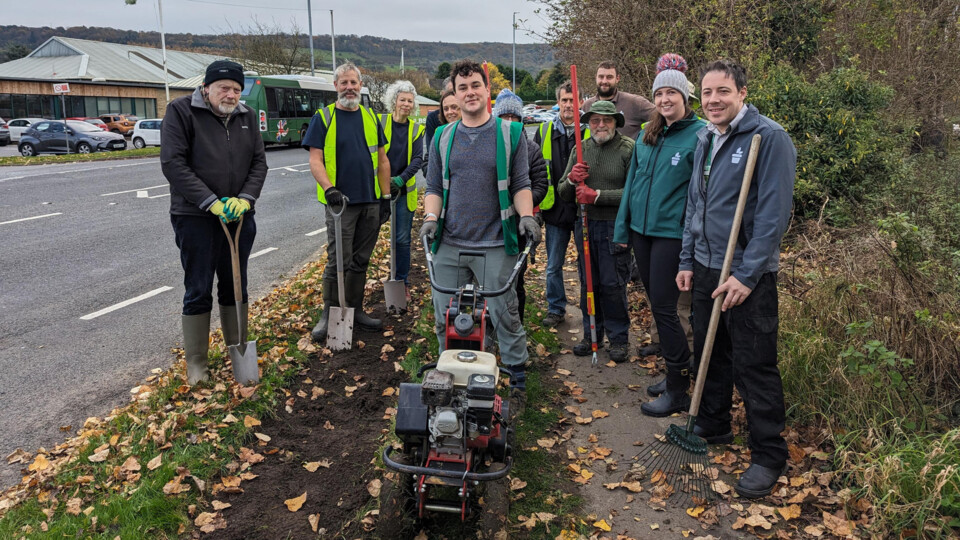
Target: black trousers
x=610, y=270
x=204, y=252
x=745, y=355
x=657, y=260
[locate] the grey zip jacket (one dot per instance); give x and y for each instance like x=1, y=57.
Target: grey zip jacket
x=205, y=157
x=712, y=204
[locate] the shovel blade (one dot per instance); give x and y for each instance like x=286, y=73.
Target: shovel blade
x=395, y=295
x=340, y=329
x=243, y=356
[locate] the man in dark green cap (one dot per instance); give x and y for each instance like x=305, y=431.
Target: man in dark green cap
x=597, y=185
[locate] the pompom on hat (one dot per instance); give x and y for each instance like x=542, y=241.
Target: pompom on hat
x=671, y=73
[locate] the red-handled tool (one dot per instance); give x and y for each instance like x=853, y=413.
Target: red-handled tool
x=591, y=308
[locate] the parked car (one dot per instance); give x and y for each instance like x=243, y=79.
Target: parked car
x=94, y=121
x=119, y=123
x=146, y=133
x=4, y=133
x=19, y=125
x=48, y=136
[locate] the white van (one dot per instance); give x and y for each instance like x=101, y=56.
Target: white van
x=146, y=133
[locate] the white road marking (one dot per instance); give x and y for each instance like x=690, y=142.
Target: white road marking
x=125, y=303
x=316, y=232
x=143, y=194
x=287, y=167
x=158, y=196
x=74, y=170
x=263, y=252
x=29, y=218
x=138, y=190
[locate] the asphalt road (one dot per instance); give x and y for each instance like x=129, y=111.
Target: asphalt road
x=77, y=239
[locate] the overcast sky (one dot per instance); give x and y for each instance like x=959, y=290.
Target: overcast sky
x=424, y=20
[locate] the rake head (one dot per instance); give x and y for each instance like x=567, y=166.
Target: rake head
x=679, y=469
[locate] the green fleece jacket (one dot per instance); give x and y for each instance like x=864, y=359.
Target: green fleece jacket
x=609, y=163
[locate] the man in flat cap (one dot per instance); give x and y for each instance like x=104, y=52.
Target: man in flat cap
x=213, y=157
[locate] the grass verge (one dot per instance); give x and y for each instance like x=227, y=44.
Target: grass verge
x=132, y=153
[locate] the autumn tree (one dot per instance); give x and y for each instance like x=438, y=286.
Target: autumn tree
x=270, y=49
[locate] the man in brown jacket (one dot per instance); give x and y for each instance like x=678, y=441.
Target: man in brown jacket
x=635, y=109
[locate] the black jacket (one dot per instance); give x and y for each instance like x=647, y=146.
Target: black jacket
x=564, y=213
x=538, y=172
x=205, y=159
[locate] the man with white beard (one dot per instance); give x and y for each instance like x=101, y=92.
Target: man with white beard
x=349, y=163
x=213, y=157
x=596, y=185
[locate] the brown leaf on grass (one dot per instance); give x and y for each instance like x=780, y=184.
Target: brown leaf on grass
x=73, y=506
x=154, y=463
x=247, y=391
x=250, y=421
x=174, y=486
x=657, y=476
x=796, y=453
x=208, y=522
x=517, y=484
x=373, y=487
x=814, y=530
x=130, y=465
x=230, y=419
x=85, y=479
x=219, y=505
x=306, y=345
x=573, y=409
x=39, y=463
x=263, y=437
x=100, y=455
x=249, y=456
x=387, y=348
x=389, y=391
x=295, y=503
x=546, y=443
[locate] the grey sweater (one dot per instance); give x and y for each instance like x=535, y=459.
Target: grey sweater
x=608, y=164
x=473, y=204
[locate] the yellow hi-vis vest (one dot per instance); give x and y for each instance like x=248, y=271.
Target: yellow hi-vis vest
x=329, y=117
x=414, y=132
x=546, y=148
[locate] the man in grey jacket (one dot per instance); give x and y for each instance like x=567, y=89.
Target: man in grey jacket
x=745, y=351
x=213, y=157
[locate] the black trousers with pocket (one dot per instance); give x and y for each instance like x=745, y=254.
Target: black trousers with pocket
x=745, y=355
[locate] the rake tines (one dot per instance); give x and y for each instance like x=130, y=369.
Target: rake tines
x=679, y=469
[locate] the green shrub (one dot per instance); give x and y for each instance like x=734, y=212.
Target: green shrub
x=846, y=152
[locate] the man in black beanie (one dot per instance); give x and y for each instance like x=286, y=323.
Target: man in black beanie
x=213, y=157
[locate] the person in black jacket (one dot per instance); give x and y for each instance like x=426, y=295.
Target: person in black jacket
x=557, y=142
x=509, y=106
x=213, y=157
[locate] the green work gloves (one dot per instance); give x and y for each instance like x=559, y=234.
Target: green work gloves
x=236, y=207
x=396, y=184
x=220, y=210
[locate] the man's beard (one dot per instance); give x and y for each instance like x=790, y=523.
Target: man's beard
x=349, y=102
x=606, y=93
x=602, y=137
x=226, y=108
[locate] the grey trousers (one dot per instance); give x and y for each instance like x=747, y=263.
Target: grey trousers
x=504, y=311
x=360, y=225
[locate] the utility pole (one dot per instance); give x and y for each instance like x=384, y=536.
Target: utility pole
x=515, y=50
x=313, y=72
x=163, y=49
x=333, y=42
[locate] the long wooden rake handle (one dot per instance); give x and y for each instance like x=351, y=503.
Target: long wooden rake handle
x=724, y=274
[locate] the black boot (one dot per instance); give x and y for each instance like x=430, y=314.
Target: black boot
x=319, y=332
x=354, y=283
x=657, y=388
x=674, y=399
x=758, y=481
x=585, y=347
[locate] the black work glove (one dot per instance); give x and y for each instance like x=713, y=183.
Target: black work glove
x=529, y=229
x=384, y=211
x=333, y=196
x=429, y=230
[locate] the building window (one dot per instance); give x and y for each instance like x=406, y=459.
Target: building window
x=6, y=108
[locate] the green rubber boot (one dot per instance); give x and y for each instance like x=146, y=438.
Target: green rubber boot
x=196, y=340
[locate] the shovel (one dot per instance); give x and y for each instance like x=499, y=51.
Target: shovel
x=340, y=325
x=394, y=290
x=243, y=356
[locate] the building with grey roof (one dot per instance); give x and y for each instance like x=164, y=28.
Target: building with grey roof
x=104, y=78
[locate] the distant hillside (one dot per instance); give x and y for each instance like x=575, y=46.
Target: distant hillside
x=368, y=51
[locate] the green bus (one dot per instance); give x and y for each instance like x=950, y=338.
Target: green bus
x=285, y=103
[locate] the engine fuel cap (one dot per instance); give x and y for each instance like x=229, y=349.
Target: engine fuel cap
x=467, y=356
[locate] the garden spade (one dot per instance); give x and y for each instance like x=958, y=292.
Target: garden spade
x=243, y=355
x=394, y=290
x=340, y=326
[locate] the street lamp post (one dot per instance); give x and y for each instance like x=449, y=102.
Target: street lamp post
x=515, y=50
x=333, y=42
x=310, y=29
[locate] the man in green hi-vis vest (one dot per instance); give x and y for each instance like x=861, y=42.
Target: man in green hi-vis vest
x=347, y=159
x=476, y=191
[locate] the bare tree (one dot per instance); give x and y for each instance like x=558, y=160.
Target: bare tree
x=269, y=49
